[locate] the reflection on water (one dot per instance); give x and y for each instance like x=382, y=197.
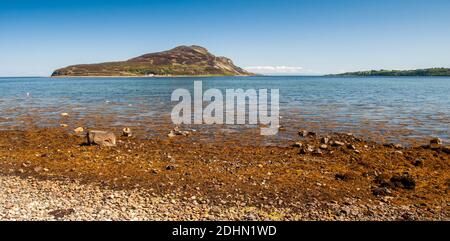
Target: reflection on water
x=405, y=107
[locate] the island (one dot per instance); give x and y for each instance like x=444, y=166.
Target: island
x=180, y=61
x=416, y=72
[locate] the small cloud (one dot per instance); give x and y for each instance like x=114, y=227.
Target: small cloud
x=276, y=70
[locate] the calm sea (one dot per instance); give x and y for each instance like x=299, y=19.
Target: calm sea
x=401, y=107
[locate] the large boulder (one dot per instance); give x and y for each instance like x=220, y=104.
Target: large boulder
x=101, y=138
x=403, y=181
x=435, y=143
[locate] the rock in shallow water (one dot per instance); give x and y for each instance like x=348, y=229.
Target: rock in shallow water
x=305, y=133
x=177, y=132
x=435, y=143
x=127, y=132
x=398, y=146
x=101, y=138
x=79, y=130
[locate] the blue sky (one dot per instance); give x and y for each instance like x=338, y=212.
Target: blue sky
x=284, y=37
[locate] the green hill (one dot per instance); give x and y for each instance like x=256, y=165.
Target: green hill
x=179, y=61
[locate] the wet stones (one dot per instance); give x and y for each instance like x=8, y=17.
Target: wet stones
x=435, y=143
x=337, y=143
x=351, y=147
x=297, y=144
x=171, y=134
x=389, y=145
x=305, y=133
x=344, y=176
x=323, y=146
x=78, y=130
x=435, y=146
x=307, y=149
x=303, y=151
x=101, y=138
x=398, y=146
x=324, y=140
x=392, y=145
x=177, y=132
x=381, y=191
x=446, y=149
x=170, y=167
x=126, y=132
x=318, y=152
x=418, y=163
x=311, y=133
x=404, y=181
x=382, y=180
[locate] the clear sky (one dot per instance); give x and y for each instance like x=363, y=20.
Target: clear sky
x=294, y=37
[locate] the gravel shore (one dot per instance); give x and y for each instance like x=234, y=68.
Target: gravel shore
x=32, y=199
x=51, y=174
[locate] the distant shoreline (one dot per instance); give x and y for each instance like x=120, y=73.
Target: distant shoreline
x=440, y=72
x=145, y=76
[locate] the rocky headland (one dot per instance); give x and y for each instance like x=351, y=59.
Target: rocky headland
x=180, y=61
